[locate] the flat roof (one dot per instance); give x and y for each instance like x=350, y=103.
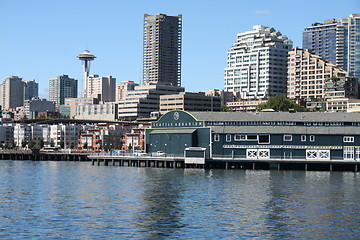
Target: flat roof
x=277, y=116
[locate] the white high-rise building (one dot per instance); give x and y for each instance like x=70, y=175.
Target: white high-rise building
x=257, y=63
x=102, y=88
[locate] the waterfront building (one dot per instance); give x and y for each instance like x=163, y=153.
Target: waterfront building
x=307, y=74
x=7, y=135
x=30, y=135
x=135, y=139
x=22, y=134
x=104, y=111
x=257, y=63
x=190, y=101
x=31, y=90
x=64, y=135
x=103, y=136
x=336, y=40
x=12, y=92
x=62, y=87
x=102, y=88
x=261, y=135
x=123, y=88
x=162, y=49
x=144, y=100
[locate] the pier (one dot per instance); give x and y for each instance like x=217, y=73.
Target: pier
x=172, y=161
x=43, y=156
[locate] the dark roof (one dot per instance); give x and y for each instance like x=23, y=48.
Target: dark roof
x=286, y=130
x=277, y=116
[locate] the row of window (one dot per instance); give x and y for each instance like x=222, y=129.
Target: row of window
x=265, y=139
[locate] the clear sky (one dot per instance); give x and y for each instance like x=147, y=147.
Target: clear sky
x=40, y=39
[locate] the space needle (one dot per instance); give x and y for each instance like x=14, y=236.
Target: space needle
x=86, y=57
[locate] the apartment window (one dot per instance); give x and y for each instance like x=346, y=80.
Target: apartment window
x=216, y=137
x=252, y=137
x=348, y=139
x=239, y=137
x=303, y=138
x=287, y=138
x=312, y=138
x=264, y=139
x=228, y=137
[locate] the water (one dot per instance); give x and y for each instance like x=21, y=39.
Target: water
x=75, y=200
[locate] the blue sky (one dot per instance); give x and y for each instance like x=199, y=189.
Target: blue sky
x=40, y=39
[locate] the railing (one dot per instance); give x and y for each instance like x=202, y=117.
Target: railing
x=134, y=155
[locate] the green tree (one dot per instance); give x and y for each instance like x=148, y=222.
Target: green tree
x=52, y=144
x=41, y=143
x=280, y=103
x=72, y=145
x=225, y=108
x=85, y=145
x=31, y=144
x=62, y=144
x=23, y=144
x=1, y=144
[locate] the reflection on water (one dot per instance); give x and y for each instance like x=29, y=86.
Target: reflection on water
x=72, y=200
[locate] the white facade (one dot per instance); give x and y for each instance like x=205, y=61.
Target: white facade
x=257, y=63
x=67, y=134
x=102, y=88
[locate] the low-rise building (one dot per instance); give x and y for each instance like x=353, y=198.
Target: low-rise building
x=104, y=111
x=190, y=101
x=144, y=100
x=244, y=105
x=260, y=136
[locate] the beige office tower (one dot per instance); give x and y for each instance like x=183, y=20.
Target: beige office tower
x=102, y=88
x=162, y=49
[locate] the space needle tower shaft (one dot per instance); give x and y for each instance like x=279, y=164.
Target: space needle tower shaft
x=86, y=57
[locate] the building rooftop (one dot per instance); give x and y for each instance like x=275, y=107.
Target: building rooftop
x=277, y=116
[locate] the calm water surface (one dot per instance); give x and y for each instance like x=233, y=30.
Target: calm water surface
x=75, y=200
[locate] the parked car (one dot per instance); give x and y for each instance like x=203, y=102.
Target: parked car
x=139, y=153
x=159, y=154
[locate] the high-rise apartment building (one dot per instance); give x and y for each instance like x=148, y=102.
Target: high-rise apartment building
x=338, y=41
x=62, y=87
x=102, y=88
x=31, y=89
x=12, y=92
x=307, y=74
x=257, y=63
x=162, y=49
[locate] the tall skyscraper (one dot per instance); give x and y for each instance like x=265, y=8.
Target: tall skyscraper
x=102, y=88
x=162, y=49
x=31, y=89
x=12, y=92
x=338, y=41
x=62, y=87
x=257, y=63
